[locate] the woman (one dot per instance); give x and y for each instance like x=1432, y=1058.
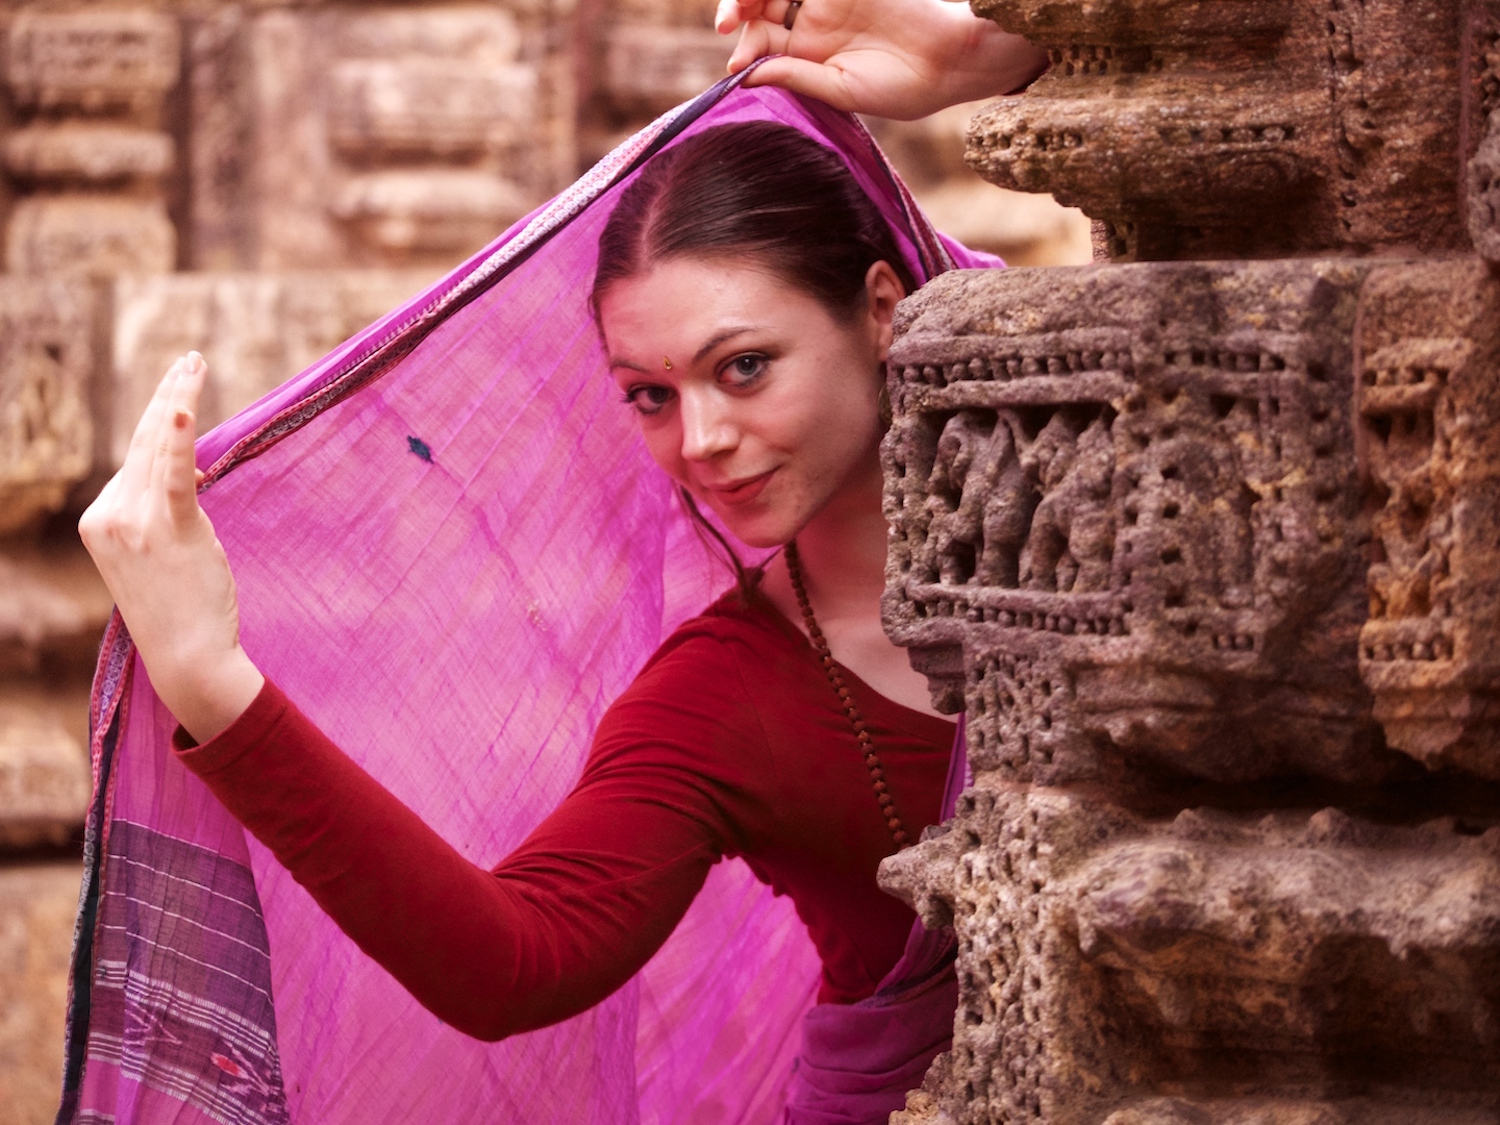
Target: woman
x=744, y=294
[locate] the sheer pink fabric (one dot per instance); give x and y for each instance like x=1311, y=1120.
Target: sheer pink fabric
x=452, y=552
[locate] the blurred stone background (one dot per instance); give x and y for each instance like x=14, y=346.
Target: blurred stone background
x=259, y=180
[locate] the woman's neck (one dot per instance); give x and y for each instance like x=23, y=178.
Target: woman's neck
x=842, y=553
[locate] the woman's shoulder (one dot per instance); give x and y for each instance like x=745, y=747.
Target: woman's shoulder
x=740, y=626
x=699, y=698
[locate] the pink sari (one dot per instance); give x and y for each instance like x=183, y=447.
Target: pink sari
x=452, y=552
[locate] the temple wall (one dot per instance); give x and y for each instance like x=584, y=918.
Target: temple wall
x=1203, y=539
x=258, y=181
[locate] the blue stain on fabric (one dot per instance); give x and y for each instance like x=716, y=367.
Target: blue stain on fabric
x=420, y=448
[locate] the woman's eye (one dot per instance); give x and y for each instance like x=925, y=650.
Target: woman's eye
x=743, y=370
x=648, y=399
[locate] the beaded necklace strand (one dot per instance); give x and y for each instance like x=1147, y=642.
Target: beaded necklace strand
x=866, y=743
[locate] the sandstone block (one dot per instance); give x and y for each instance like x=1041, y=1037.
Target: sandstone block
x=1484, y=193
x=1299, y=967
x=1429, y=410
x=93, y=59
x=1126, y=526
x=649, y=68
x=434, y=209
x=44, y=777
x=95, y=153
x=53, y=609
x=1238, y=129
x=255, y=330
x=46, y=364
x=420, y=106
x=37, y=906
x=93, y=235
x=335, y=137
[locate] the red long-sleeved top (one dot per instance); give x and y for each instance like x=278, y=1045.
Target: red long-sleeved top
x=729, y=742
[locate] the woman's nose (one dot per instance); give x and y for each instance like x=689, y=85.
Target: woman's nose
x=707, y=429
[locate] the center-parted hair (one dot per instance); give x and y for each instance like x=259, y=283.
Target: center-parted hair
x=758, y=191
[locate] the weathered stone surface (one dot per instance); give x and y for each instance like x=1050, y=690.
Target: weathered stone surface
x=1429, y=407
x=44, y=777
x=46, y=361
x=1024, y=229
x=37, y=904
x=649, y=68
x=53, y=609
x=93, y=235
x=434, y=209
x=97, y=153
x=1292, y=962
x=95, y=58
x=344, y=136
x=1238, y=129
x=256, y=331
x=1125, y=519
x=1484, y=193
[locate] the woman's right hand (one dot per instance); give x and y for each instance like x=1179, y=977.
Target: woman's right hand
x=164, y=566
x=892, y=58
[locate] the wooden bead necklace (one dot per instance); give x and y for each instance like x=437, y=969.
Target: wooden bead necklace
x=866, y=743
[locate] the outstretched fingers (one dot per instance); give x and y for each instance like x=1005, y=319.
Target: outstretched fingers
x=140, y=456
x=179, y=476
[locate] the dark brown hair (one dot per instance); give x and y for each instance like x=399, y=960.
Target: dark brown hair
x=756, y=190
x=762, y=193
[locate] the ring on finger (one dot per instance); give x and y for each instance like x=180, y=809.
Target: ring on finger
x=791, y=14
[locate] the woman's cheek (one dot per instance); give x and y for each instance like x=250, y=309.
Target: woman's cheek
x=664, y=444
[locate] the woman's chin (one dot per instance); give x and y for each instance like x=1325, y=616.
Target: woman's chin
x=760, y=530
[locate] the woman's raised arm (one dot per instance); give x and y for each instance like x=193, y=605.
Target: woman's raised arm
x=892, y=58
x=165, y=567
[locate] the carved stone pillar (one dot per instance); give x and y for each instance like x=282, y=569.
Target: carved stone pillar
x=1209, y=551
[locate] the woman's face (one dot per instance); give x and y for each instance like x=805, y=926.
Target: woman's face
x=750, y=393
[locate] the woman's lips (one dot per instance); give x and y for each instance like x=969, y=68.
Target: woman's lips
x=735, y=494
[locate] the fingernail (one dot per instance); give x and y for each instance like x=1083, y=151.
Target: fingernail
x=195, y=361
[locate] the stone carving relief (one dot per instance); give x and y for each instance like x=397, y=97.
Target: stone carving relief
x=375, y=136
x=1482, y=123
x=46, y=428
x=88, y=152
x=1142, y=534
x=1429, y=348
x=1210, y=556
x=1209, y=967
x=1131, y=123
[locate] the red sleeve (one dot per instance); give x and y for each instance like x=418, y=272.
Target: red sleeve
x=562, y=922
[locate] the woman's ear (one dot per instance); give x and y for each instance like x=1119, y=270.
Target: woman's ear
x=882, y=290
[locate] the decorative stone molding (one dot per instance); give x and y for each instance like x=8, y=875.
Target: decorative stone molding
x=1124, y=511
x=1204, y=547
x=1239, y=127
x=373, y=135
x=90, y=154
x=46, y=426
x=1210, y=967
x=1429, y=429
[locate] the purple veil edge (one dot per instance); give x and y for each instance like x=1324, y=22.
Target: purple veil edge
x=452, y=557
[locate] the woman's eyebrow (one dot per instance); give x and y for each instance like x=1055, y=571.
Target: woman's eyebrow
x=720, y=337
x=713, y=342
